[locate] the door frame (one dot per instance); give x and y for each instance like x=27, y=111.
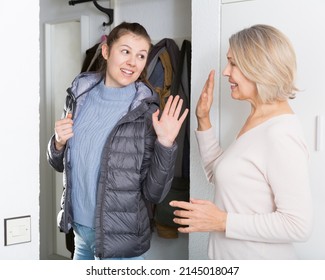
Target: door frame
x=49, y=233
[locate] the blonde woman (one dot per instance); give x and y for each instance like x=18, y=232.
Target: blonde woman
x=262, y=201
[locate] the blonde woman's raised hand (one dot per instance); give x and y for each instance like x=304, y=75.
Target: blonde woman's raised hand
x=170, y=122
x=204, y=103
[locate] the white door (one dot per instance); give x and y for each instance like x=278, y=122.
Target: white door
x=304, y=23
x=63, y=63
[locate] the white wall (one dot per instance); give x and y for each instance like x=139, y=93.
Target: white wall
x=205, y=56
x=19, y=114
x=162, y=18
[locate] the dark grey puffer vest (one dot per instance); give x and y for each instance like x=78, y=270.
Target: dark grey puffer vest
x=135, y=168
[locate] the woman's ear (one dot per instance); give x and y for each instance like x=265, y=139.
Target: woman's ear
x=105, y=51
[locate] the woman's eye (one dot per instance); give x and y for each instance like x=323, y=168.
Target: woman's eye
x=141, y=56
x=125, y=51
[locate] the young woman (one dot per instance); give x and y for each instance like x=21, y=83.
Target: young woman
x=116, y=152
x=262, y=200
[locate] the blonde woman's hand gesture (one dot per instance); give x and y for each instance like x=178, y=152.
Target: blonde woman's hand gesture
x=199, y=216
x=204, y=103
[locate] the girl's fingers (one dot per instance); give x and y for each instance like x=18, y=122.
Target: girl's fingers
x=174, y=105
x=178, y=108
x=168, y=105
x=183, y=116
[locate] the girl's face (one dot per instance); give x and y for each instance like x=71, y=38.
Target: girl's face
x=126, y=59
x=241, y=87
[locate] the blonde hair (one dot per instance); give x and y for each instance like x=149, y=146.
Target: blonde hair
x=265, y=56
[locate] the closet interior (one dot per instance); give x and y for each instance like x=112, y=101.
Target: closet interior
x=72, y=37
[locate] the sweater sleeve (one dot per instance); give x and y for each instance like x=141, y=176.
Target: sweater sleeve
x=286, y=163
x=209, y=150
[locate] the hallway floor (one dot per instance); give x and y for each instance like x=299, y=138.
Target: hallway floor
x=168, y=249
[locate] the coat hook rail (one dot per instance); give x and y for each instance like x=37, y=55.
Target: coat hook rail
x=107, y=11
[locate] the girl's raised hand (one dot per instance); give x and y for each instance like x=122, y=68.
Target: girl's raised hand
x=170, y=122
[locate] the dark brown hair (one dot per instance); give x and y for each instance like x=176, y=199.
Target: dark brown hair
x=119, y=31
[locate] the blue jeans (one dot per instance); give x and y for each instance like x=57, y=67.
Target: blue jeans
x=85, y=245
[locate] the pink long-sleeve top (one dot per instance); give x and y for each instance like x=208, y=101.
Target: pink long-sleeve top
x=262, y=181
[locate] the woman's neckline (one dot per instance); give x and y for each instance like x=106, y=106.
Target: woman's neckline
x=262, y=123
